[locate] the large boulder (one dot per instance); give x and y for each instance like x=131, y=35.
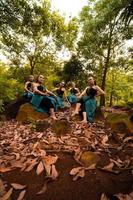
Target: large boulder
x=120, y=122
x=28, y=113
x=12, y=108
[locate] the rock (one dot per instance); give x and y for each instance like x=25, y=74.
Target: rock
x=28, y=113
x=12, y=108
x=99, y=114
x=88, y=158
x=42, y=125
x=120, y=122
x=61, y=127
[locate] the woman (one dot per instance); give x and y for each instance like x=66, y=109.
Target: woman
x=87, y=100
x=28, y=88
x=61, y=93
x=74, y=93
x=41, y=99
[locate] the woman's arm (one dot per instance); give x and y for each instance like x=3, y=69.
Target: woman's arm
x=51, y=93
x=83, y=93
x=26, y=87
x=36, y=91
x=99, y=90
x=78, y=92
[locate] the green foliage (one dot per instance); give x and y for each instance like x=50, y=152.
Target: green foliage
x=74, y=70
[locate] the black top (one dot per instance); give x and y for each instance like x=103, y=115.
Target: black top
x=73, y=91
x=60, y=92
x=91, y=92
x=40, y=88
x=29, y=85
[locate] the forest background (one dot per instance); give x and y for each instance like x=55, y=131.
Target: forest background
x=33, y=35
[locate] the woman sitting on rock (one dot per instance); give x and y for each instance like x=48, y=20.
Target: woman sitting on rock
x=74, y=93
x=41, y=99
x=28, y=88
x=87, y=101
x=61, y=93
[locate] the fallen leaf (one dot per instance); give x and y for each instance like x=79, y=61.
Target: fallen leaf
x=21, y=195
x=108, y=167
x=18, y=186
x=127, y=139
x=54, y=172
x=75, y=170
x=93, y=166
x=40, y=168
x=81, y=174
x=43, y=190
x=5, y=169
x=104, y=197
x=31, y=166
x=104, y=140
x=7, y=195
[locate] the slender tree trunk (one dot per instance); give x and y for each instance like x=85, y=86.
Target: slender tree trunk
x=102, y=98
x=32, y=65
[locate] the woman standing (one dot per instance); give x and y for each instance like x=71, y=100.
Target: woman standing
x=87, y=100
x=41, y=99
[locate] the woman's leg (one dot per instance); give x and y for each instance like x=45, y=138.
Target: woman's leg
x=47, y=103
x=53, y=113
x=84, y=117
x=76, y=112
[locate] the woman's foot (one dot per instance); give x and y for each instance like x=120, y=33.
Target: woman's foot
x=84, y=122
x=53, y=117
x=75, y=113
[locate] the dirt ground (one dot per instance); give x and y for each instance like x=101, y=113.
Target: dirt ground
x=90, y=187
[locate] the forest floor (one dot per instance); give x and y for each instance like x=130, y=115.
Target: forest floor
x=66, y=161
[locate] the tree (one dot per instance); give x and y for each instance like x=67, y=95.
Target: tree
x=74, y=70
x=102, y=35
x=31, y=32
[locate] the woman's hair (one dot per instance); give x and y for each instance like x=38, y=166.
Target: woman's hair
x=91, y=77
x=38, y=77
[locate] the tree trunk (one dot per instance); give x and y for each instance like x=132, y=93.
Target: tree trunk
x=102, y=98
x=32, y=65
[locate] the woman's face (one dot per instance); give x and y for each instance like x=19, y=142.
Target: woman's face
x=73, y=85
x=91, y=81
x=41, y=79
x=31, y=78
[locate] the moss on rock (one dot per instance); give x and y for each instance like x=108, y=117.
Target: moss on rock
x=28, y=113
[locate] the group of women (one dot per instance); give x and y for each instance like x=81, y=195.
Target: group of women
x=44, y=100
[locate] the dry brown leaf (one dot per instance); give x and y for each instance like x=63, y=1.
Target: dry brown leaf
x=54, y=172
x=18, y=186
x=31, y=166
x=7, y=195
x=104, y=197
x=49, y=160
x=5, y=169
x=40, y=168
x=75, y=170
x=93, y=166
x=43, y=190
x=108, y=167
x=118, y=164
x=87, y=133
x=123, y=196
x=127, y=139
x=81, y=174
x=21, y=195
x=48, y=169
x=104, y=140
